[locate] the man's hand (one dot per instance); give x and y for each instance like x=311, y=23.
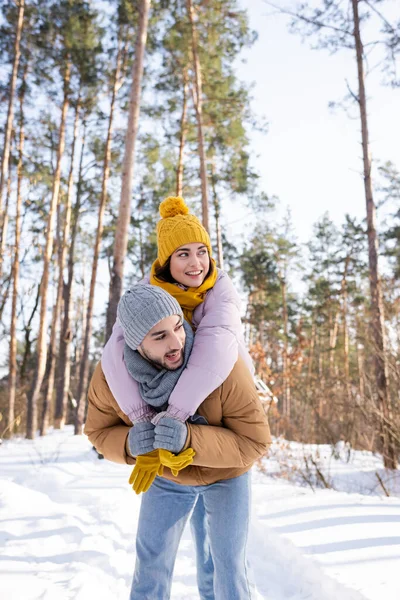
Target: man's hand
x=141, y=438
x=176, y=463
x=147, y=467
x=170, y=434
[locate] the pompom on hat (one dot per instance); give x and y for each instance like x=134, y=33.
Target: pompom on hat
x=178, y=227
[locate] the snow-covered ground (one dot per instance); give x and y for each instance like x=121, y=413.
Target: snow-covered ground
x=68, y=521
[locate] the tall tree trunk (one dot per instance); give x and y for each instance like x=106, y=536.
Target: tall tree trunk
x=10, y=111
x=12, y=379
x=48, y=380
x=84, y=365
x=361, y=375
x=377, y=316
x=41, y=344
x=349, y=412
x=220, y=251
x=83, y=303
x=286, y=369
x=7, y=280
x=60, y=412
x=349, y=408
x=198, y=105
x=182, y=136
x=307, y=423
x=80, y=324
x=62, y=253
x=333, y=334
x=4, y=226
x=4, y=295
x=396, y=295
x=344, y=295
x=346, y=344
x=141, y=247
x=27, y=337
x=311, y=354
x=217, y=212
x=124, y=213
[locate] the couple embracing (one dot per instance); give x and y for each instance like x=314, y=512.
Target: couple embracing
x=174, y=395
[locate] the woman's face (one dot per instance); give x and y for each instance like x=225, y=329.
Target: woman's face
x=190, y=264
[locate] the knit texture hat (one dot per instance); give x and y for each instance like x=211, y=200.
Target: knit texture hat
x=177, y=227
x=142, y=307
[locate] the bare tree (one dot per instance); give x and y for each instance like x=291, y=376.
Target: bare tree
x=10, y=112
x=41, y=344
x=217, y=213
x=198, y=104
x=377, y=317
x=343, y=31
x=12, y=380
x=182, y=136
x=62, y=254
x=4, y=230
x=124, y=214
x=84, y=366
x=60, y=412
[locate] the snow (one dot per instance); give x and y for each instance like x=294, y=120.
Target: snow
x=68, y=521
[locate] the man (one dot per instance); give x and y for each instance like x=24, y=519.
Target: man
x=228, y=434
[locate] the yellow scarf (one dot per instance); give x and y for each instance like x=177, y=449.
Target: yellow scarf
x=189, y=298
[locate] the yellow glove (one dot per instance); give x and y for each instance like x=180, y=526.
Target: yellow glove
x=147, y=467
x=176, y=462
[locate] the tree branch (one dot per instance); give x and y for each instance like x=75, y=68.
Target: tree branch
x=309, y=21
x=381, y=16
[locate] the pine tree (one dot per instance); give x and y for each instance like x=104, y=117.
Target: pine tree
x=121, y=232
x=10, y=113
x=60, y=25
x=339, y=25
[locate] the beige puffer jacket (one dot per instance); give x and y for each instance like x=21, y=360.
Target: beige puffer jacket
x=236, y=436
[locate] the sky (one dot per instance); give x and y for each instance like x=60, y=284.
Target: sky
x=311, y=156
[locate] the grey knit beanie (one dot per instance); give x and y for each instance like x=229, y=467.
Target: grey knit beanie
x=142, y=307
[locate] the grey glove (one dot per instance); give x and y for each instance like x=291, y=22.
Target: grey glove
x=141, y=438
x=170, y=434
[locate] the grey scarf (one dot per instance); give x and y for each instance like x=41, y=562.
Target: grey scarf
x=156, y=385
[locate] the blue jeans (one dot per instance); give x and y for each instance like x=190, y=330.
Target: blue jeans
x=220, y=523
x=204, y=561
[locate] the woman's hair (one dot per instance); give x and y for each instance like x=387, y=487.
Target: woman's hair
x=164, y=272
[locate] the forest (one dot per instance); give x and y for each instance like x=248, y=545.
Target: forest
x=109, y=106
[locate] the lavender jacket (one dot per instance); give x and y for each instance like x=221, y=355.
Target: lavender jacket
x=217, y=343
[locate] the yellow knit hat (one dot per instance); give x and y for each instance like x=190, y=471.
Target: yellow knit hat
x=177, y=227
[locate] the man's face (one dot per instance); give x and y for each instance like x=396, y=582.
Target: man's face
x=163, y=345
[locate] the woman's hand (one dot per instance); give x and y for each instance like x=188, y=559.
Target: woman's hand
x=170, y=434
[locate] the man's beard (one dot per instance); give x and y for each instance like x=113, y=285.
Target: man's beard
x=162, y=364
